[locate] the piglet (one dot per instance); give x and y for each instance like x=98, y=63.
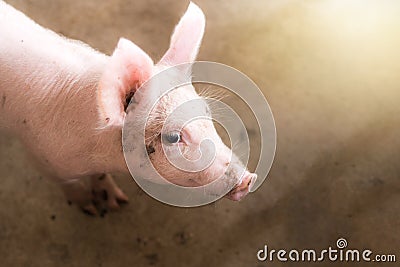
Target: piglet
x=66, y=102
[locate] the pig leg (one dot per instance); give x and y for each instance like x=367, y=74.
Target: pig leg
x=102, y=194
x=106, y=190
x=79, y=193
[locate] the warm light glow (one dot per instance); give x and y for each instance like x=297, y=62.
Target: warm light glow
x=359, y=18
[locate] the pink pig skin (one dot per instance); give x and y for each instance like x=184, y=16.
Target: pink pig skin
x=65, y=100
x=48, y=91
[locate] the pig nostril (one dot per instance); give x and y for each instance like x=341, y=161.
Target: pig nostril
x=249, y=183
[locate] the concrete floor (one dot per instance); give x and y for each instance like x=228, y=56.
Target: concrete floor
x=331, y=77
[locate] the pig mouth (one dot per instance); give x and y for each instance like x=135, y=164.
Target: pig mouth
x=242, y=188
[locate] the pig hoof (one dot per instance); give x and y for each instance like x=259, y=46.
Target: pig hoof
x=105, y=190
x=90, y=210
x=103, y=195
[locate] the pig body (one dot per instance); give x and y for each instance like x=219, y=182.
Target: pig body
x=66, y=101
x=48, y=94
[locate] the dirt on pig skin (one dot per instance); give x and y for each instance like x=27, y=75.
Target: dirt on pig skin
x=334, y=94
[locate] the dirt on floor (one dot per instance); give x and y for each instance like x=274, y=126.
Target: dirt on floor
x=330, y=74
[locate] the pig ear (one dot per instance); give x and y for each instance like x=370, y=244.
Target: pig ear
x=128, y=68
x=186, y=39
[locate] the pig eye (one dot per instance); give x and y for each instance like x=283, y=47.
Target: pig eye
x=171, y=137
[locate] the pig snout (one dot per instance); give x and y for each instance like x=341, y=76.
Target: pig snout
x=242, y=188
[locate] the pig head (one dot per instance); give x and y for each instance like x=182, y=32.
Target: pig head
x=175, y=146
